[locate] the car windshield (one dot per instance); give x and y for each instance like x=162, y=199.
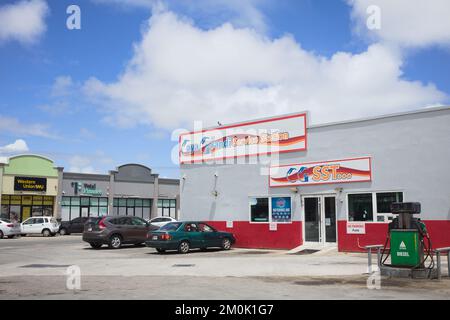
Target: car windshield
x=173, y=226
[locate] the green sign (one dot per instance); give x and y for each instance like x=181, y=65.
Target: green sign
x=405, y=248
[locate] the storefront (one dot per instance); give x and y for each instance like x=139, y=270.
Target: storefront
x=29, y=187
x=131, y=189
x=280, y=183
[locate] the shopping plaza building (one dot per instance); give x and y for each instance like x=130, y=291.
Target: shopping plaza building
x=280, y=182
x=31, y=185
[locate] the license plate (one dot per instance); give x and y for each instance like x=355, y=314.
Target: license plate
x=155, y=238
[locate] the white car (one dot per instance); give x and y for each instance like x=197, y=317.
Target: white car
x=47, y=226
x=160, y=221
x=9, y=229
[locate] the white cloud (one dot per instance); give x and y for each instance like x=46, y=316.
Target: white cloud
x=409, y=23
x=180, y=73
x=23, y=21
x=15, y=127
x=19, y=146
x=80, y=164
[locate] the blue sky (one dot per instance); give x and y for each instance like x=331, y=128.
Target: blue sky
x=114, y=91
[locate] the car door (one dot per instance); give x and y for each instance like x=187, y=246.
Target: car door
x=139, y=228
x=194, y=235
x=26, y=225
x=38, y=225
x=75, y=225
x=125, y=228
x=209, y=235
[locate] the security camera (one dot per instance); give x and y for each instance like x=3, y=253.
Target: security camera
x=216, y=174
x=184, y=177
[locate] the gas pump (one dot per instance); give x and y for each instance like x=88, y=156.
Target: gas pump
x=409, y=242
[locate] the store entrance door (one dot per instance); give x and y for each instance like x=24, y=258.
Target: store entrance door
x=319, y=214
x=26, y=212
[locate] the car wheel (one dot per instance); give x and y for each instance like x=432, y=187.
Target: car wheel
x=62, y=232
x=46, y=232
x=160, y=250
x=1, y=234
x=115, y=241
x=226, y=244
x=183, y=247
x=95, y=245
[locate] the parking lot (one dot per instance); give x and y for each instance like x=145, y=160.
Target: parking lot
x=36, y=268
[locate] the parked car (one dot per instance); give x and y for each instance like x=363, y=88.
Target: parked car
x=116, y=231
x=183, y=236
x=47, y=226
x=73, y=226
x=161, y=221
x=9, y=229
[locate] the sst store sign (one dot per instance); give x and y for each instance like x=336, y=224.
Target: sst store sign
x=275, y=135
x=30, y=184
x=312, y=173
x=356, y=228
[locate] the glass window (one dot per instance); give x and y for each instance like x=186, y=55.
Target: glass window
x=385, y=199
x=27, y=200
x=75, y=201
x=205, y=228
x=93, y=211
x=172, y=226
x=160, y=203
x=85, y=201
x=259, y=209
x=103, y=211
x=122, y=202
x=138, y=212
x=130, y=202
x=138, y=202
x=65, y=201
x=37, y=200
x=103, y=202
x=65, y=213
x=146, y=202
x=15, y=199
x=173, y=203
x=360, y=207
x=146, y=213
x=94, y=202
x=116, y=202
x=5, y=199
x=136, y=221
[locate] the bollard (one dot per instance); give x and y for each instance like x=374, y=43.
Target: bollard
x=369, y=253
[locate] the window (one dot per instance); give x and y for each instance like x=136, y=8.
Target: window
x=360, y=207
x=167, y=207
x=259, y=209
x=205, y=228
x=373, y=206
x=71, y=207
x=132, y=207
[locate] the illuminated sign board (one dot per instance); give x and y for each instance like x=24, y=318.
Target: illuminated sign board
x=323, y=172
x=263, y=137
x=30, y=184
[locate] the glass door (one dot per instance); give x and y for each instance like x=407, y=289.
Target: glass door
x=320, y=218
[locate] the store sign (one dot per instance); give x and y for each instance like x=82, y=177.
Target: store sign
x=88, y=189
x=281, y=209
x=276, y=135
x=356, y=228
x=30, y=184
x=312, y=173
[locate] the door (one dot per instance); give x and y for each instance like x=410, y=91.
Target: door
x=26, y=213
x=139, y=229
x=210, y=236
x=84, y=211
x=194, y=235
x=320, y=218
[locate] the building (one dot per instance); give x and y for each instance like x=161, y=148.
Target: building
x=31, y=185
x=132, y=189
x=330, y=183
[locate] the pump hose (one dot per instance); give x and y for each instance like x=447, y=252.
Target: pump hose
x=382, y=262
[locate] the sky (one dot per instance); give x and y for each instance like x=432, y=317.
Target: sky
x=137, y=72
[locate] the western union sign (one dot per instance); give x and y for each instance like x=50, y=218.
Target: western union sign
x=30, y=184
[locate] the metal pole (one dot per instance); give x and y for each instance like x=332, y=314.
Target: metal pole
x=438, y=258
x=369, y=255
x=378, y=257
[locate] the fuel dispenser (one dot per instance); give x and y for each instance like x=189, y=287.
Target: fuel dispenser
x=409, y=242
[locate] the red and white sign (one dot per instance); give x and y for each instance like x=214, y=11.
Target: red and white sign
x=263, y=137
x=356, y=228
x=312, y=173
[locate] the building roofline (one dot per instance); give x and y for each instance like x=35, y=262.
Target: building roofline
x=380, y=117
